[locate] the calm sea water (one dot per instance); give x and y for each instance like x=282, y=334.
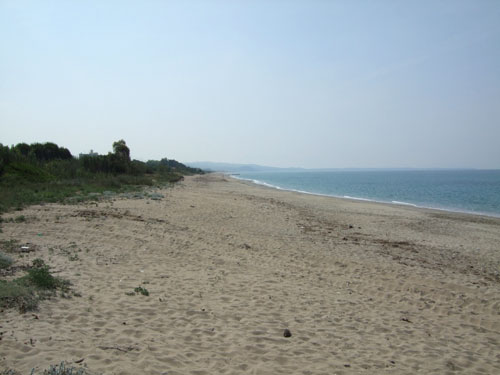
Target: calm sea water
x=470, y=191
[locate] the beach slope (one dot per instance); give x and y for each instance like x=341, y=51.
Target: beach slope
x=363, y=288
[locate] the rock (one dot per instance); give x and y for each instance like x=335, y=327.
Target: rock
x=156, y=196
x=287, y=333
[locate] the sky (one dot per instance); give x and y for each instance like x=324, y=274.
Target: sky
x=311, y=83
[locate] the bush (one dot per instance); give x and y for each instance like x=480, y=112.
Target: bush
x=5, y=261
x=41, y=277
x=25, y=292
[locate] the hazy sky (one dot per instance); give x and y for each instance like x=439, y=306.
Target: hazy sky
x=282, y=83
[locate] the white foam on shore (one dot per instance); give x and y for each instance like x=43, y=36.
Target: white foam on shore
x=262, y=183
x=358, y=199
x=404, y=203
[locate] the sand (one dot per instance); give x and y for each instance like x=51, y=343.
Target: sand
x=364, y=288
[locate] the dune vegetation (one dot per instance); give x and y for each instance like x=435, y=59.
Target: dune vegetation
x=36, y=173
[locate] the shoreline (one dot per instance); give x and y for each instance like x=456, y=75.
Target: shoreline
x=363, y=287
x=396, y=203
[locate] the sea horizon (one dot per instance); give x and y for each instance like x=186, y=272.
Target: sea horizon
x=228, y=167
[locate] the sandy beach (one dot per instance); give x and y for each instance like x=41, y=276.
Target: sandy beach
x=364, y=288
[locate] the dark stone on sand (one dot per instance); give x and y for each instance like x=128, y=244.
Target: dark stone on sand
x=350, y=227
x=287, y=333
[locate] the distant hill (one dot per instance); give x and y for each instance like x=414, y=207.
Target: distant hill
x=242, y=168
x=237, y=168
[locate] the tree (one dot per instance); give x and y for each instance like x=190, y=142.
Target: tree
x=46, y=151
x=23, y=148
x=121, y=150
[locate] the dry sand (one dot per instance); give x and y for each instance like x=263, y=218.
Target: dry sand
x=364, y=288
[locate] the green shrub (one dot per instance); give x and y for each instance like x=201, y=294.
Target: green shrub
x=28, y=172
x=41, y=277
x=5, y=261
x=20, y=219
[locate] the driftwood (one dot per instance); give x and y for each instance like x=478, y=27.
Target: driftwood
x=121, y=349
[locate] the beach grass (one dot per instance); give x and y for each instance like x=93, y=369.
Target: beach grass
x=25, y=292
x=15, y=195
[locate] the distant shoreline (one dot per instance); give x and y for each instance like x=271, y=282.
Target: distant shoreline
x=358, y=199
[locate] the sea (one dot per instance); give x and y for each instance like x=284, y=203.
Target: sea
x=466, y=191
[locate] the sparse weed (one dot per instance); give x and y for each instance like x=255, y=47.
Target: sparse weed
x=63, y=369
x=20, y=219
x=9, y=246
x=10, y=372
x=5, y=261
x=142, y=291
x=25, y=292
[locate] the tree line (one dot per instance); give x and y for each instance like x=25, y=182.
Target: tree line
x=50, y=159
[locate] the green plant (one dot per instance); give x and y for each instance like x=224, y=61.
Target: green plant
x=25, y=292
x=39, y=276
x=12, y=294
x=36, y=173
x=42, y=278
x=142, y=291
x=20, y=219
x=5, y=261
x=38, y=263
